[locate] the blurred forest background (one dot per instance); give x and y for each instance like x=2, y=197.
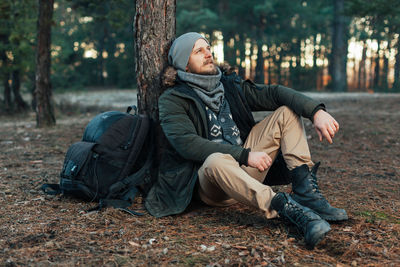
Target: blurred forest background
x=313, y=45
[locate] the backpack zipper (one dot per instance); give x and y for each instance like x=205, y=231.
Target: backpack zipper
x=133, y=131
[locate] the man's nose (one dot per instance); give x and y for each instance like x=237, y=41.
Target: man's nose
x=208, y=54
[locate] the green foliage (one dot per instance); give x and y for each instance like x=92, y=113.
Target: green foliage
x=102, y=26
x=107, y=27
x=18, y=33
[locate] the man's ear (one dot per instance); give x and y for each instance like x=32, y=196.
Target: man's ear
x=187, y=69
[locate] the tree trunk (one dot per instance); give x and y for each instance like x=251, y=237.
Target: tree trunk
x=242, y=55
x=259, y=77
x=5, y=76
x=5, y=73
x=101, y=61
x=154, y=30
x=295, y=71
x=385, y=73
x=314, y=78
x=16, y=85
x=279, y=68
x=355, y=74
x=377, y=69
x=396, y=84
x=43, y=94
x=228, y=51
x=361, y=69
x=270, y=62
x=339, y=48
x=7, y=93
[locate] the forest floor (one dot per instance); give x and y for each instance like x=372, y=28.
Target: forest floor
x=360, y=172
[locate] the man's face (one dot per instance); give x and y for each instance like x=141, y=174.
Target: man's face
x=201, y=60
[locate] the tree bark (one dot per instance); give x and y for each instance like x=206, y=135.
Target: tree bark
x=278, y=62
x=43, y=92
x=385, y=73
x=339, y=48
x=361, y=69
x=259, y=77
x=295, y=71
x=16, y=85
x=377, y=69
x=7, y=93
x=101, y=60
x=396, y=84
x=242, y=55
x=270, y=62
x=7, y=103
x=154, y=30
x=314, y=78
x=5, y=71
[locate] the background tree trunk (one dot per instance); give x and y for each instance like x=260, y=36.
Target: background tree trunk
x=7, y=93
x=259, y=77
x=385, y=73
x=314, y=78
x=396, y=84
x=361, y=69
x=339, y=48
x=154, y=31
x=44, y=107
x=278, y=63
x=242, y=55
x=16, y=85
x=5, y=73
x=377, y=74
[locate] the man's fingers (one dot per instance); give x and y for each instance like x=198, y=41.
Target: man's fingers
x=319, y=135
x=260, y=160
x=331, y=131
x=336, y=125
x=268, y=161
x=327, y=136
x=263, y=166
x=265, y=163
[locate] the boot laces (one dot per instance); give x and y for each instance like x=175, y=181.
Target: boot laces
x=314, y=184
x=297, y=213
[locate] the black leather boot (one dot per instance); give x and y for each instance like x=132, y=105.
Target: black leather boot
x=306, y=192
x=313, y=226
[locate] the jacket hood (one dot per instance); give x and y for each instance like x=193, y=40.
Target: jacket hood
x=169, y=75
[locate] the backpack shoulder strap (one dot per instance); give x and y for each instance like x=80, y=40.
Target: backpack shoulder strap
x=139, y=136
x=134, y=179
x=51, y=189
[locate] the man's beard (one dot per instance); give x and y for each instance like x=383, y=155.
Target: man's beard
x=214, y=71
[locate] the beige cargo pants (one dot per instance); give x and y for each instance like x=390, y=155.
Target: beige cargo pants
x=223, y=182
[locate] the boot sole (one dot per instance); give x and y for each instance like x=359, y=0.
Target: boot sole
x=334, y=219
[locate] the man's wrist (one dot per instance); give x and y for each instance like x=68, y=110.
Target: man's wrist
x=244, y=157
x=316, y=109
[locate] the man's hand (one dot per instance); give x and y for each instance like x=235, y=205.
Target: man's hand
x=325, y=125
x=259, y=160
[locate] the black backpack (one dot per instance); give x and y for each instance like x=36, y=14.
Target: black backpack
x=112, y=163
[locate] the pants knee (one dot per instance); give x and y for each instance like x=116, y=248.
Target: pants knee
x=286, y=114
x=286, y=110
x=213, y=160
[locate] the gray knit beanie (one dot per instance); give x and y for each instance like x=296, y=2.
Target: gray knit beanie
x=181, y=49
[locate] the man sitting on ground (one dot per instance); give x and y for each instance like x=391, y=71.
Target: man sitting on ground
x=218, y=153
